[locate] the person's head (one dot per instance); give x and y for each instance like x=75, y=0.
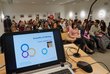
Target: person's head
x=35, y=22
x=13, y=22
x=46, y=25
x=102, y=22
x=13, y=28
x=96, y=22
x=55, y=25
x=49, y=21
x=70, y=22
x=62, y=21
x=25, y=22
x=92, y=22
x=21, y=23
x=79, y=22
x=30, y=21
x=28, y=28
x=7, y=17
x=75, y=20
x=74, y=26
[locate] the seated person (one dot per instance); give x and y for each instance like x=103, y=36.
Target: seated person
x=73, y=33
x=88, y=40
x=108, y=30
x=97, y=34
x=108, y=33
x=75, y=36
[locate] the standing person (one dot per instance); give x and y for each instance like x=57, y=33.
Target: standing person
x=7, y=24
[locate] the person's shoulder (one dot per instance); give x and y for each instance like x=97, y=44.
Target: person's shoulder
x=92, y=26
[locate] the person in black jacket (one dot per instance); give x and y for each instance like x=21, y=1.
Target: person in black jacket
x=7, y=24
x=103, y=26
x=108, y=30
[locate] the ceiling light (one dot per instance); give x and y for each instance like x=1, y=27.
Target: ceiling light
x=70, y=14
x=102, y=13
x=2, y=15
x=82, y=14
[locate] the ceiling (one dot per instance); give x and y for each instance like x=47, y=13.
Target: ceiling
x=41, y=2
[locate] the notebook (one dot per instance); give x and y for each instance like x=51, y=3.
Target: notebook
x=35, y=52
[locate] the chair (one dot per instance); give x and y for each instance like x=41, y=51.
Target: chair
x=66, y=38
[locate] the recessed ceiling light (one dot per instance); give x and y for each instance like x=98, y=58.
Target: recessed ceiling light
x=102, y=13
x=71, y=14
x=82, y=14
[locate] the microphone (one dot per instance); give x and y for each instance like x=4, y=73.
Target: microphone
x=77, y=55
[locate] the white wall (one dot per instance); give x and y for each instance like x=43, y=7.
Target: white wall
x=1, y=21
x=85, y=6
x=26, y=9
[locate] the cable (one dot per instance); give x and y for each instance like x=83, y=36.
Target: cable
x=69, y=64
x=72, y=48
x=102, y=64
x=93, y=64
x=81, y=56
x=68, y=55
x=87, y=65
x=2, y=66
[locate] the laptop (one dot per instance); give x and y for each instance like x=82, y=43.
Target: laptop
x=35, y=52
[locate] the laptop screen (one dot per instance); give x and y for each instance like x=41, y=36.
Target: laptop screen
x=26, y=51
x=36, y=48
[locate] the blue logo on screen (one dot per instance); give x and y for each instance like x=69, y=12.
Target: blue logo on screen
x=44, y=51
x=26, y=51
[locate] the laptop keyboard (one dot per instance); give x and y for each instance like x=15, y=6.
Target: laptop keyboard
x=65, y=71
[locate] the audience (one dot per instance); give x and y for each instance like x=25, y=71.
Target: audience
x=85, y=33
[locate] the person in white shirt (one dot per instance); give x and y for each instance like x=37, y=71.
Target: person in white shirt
x=95, y=32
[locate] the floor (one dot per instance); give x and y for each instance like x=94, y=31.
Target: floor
x=100, y=57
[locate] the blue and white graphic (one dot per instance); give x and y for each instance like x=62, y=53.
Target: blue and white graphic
x=44, y=51
x=33, y=49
